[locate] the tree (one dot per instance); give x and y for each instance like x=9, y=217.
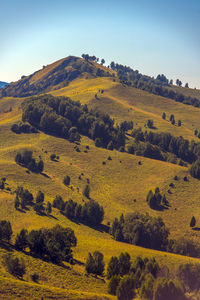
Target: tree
x=113, y=284
x=86, y=191
x=146, y=290
x=113, y=267
x=164, y=115
x=179, y=123
x=14, y=265
x=39, y=208
x=102, y=61
x=58, y=202
x=40, y=197
x=125, y=290
x=5, y=230
x=124, y=263
x=150, y=123
x=21, y=241
x=17, y=203
x=48, y=208
x=95, y=263
x=66, y=180
x=193, y=222
x=171, y=82
x=186, y=85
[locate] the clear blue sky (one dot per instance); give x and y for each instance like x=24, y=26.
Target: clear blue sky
x=153, y=36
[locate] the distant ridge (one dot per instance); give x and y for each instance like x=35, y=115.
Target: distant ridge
x=3, y=84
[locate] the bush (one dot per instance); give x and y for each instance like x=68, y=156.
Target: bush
x=25, y=159
x=40, y=197
x=14, y=265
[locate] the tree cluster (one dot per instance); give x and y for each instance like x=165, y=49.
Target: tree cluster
x=26, y=159
x=180, y=147
x=65, y=118
x=49, y=244
x=142, y=230
x=90, y=213
x=156, y=200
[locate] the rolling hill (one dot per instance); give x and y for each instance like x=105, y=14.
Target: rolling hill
x=120, y=184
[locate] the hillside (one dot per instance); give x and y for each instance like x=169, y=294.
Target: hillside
x=120, y=184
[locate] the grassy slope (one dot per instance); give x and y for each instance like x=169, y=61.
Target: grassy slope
x=127, y=103
x=114, y=185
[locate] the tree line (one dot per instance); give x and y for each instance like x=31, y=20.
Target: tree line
x=159, y=86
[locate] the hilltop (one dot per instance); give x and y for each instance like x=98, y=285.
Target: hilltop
x=55, y=76
x=119, y=181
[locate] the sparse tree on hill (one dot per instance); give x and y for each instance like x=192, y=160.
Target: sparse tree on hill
x=21, y=241
x=95, y=263
x=179, y=123
x=193, y=222
x=125, y=289
x=164, y=115
x=48, y=208
x=40, y=197
x=113, y=267
x=66, y=180
x=102, y=61
x=186, y=85
x=86, y=191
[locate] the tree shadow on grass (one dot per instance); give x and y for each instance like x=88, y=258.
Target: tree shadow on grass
x=196, y=228
x=45, y=175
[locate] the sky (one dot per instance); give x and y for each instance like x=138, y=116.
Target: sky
x=152, y=36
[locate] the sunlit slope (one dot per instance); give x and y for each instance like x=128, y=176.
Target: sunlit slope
x=128, y=103
x=120, y=185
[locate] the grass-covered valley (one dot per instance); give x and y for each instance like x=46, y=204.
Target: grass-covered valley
x=119, y=166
